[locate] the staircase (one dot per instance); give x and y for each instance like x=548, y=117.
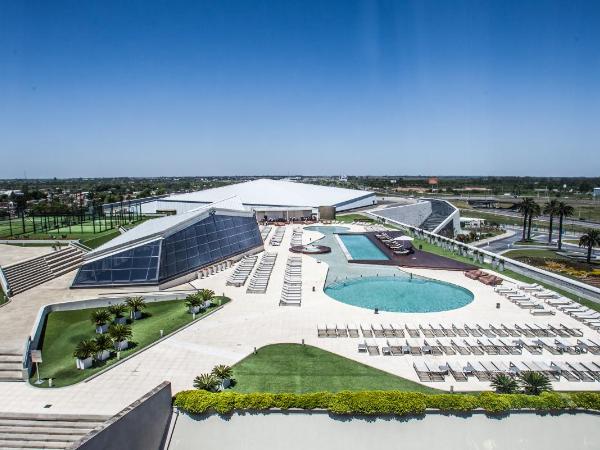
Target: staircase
x=33, y=272
x=432, y=222
x=11, y=364
x=51, y=431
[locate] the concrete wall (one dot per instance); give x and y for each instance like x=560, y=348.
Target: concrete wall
x=413, y=215
x=142, y=425
x=368, y=200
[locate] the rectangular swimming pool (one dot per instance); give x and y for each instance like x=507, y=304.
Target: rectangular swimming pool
x=360, y=247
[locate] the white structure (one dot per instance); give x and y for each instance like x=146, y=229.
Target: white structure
x=596, y=192
x=271, y=198
x=472, y=222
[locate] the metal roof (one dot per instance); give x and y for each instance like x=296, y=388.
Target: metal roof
x=273, y=193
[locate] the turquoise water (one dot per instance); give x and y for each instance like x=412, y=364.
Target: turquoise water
x=327, y=230
x=400, y=294
x=361, y=247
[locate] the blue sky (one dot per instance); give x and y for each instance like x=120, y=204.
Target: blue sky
x=144, y=88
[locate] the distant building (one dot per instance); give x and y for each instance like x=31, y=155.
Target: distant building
x=596, y=192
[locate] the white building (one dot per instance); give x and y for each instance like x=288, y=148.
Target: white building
x=266, y=197
x=596, y=192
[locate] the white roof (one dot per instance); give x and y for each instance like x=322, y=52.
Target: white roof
x=266, y=192
x=156, y=227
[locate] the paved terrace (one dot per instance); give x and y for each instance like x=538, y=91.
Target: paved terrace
x=255, y=320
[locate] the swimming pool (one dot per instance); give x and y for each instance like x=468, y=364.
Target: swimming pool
x=360, y=247
x=326, y=230
x=400, y=294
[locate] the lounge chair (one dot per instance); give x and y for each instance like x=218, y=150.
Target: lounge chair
x=461, y=350
x=459, y=331
x=398, y=330
x=372, y=347
x=378, y=330
x=395, y=346
x=422, y=371
x=353, y=330
x=564, y=371
x=412, y=332
x=446, y=349
x=321, y=330
x=456, y=371
x=366, y=330
x=414, y=349
x=448, y=332
x=342, y=330
x=581, y=371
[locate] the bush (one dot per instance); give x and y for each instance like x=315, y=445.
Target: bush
x=382, y=402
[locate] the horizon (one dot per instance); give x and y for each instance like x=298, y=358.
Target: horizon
x=113, y=90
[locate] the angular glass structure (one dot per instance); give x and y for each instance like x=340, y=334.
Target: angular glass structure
x=170, y=249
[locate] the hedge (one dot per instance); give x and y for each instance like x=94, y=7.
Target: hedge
x=382, y=402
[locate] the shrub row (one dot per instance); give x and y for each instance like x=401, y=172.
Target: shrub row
x=381, y=402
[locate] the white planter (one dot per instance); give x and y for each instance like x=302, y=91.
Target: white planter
x=103, y=355
x=226, y=383
x=136, y=315
x=83, y=364
x=101, y=329
x=121, y=345
x=120, y=320
x=194, y=309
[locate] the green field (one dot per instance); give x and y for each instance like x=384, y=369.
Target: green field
x=349, y=218
x=65, y=329
x=300, y=368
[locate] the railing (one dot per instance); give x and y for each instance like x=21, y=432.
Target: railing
x=80, y=246
x=4, y=283
x=498, y=262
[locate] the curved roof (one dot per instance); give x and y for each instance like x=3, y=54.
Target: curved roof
x=267, y=192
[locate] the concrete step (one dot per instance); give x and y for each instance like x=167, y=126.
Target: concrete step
x=48, y=430
x=71, y=424
x=10, y=366
x=40, y=437
x=12, y=376
x=19, y=445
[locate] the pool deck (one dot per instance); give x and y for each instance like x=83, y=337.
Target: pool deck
x=252, y=321
x=418, y=259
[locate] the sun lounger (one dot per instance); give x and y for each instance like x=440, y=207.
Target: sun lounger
x=502, y=367
x=473, y=347
x=569, y=347
x=545, y=295
x=353, y=330
x=530, y=287
x=398, y=330
x=412, y=332
x=448, y=332
x=487, y=347
x=366, y=330
x=460, y=349
x=372, y=347
x=528, y=345
x=321, y=330
x=558, y=331
x=479, y=371
x=437, y=371
x=427, y=332
x=511, y=331
x=581, y=371
x=428, y=349
x=487, y=332
x=422, y=371
x=378, y=330
x=413, y=348
x=457, y=372
x=589, y=346
x=331, y=330
x=548, y=346
x=341, y=330
x=446, y=349
x=542, y=312
x=472, y=331
x=362, y=347
x=388, y=330
x=437, y=332
x=558, y=302
x=524, y=332
x=517, y=367
x=498, y=331
x=575, y=332
x=395, y=346
x=490, y=368
x=564, y=371
x=459, y=331
x=511, y=348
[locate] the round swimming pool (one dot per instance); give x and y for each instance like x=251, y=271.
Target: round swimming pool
x=400, y=294
x=327, y=229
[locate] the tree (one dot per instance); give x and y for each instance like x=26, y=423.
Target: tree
x=222, y=371
x=551, y=209
x=119, y=333
x=590, y=239
x=563, y=210
x=85, y=349
x=206, y=382
x=534, y=383
x=100, y=317
x=504, y=384
x=534, y=211
x=117, y=310
x=135, y=304
x=193, y=301
x=206, y=294
x=103, y=343
x=524, y=208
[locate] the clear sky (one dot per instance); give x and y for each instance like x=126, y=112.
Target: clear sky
x=144, y=88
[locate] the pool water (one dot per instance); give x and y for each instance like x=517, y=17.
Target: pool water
x=326, y=230
x=400, y=294
x=360, y=247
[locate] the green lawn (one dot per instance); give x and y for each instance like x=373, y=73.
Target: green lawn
x=65, y=329
x=298, y=368
x=101, y=238
x=534, y=253
x=3, y=298
x=349, y=218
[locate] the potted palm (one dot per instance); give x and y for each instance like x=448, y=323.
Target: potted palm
x=120, y=334
x=194, y=302
x=84, y=353
x=100, y=318
x=534, y=383
x=135, y=304
x=118, y=311
x=206, y=382
x=223, y=373
x=206, y=295
x=504, y=384
x=104, y=344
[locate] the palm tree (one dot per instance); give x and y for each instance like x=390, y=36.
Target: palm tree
x=84, y=350
x=193, y=302
x=534, y=383
x=206, y=294
x=206, y=382
x=117, y=310
x=534, y=211
x=590, y=239
x=504, y=384
x=120, y=333
x=100, y=318
x=551, y=208
x=103, y=343
x=136, y=304
x=222, y=371
x=524, y=208
x=563, y=210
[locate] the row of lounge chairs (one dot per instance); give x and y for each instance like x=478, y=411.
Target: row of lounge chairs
x=396, y=247
x=432, y=371
x=277, y=236
x=588, y=316
x=291, y=293
x=214, y=269
x=242, y=271
x=485, y=278
x=440, y=331
x=296, y=237
x=264, y=231
x=260, y=279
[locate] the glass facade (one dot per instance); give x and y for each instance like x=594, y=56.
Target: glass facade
x=211, y=239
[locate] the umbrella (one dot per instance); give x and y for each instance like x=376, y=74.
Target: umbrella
x=403, y=238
